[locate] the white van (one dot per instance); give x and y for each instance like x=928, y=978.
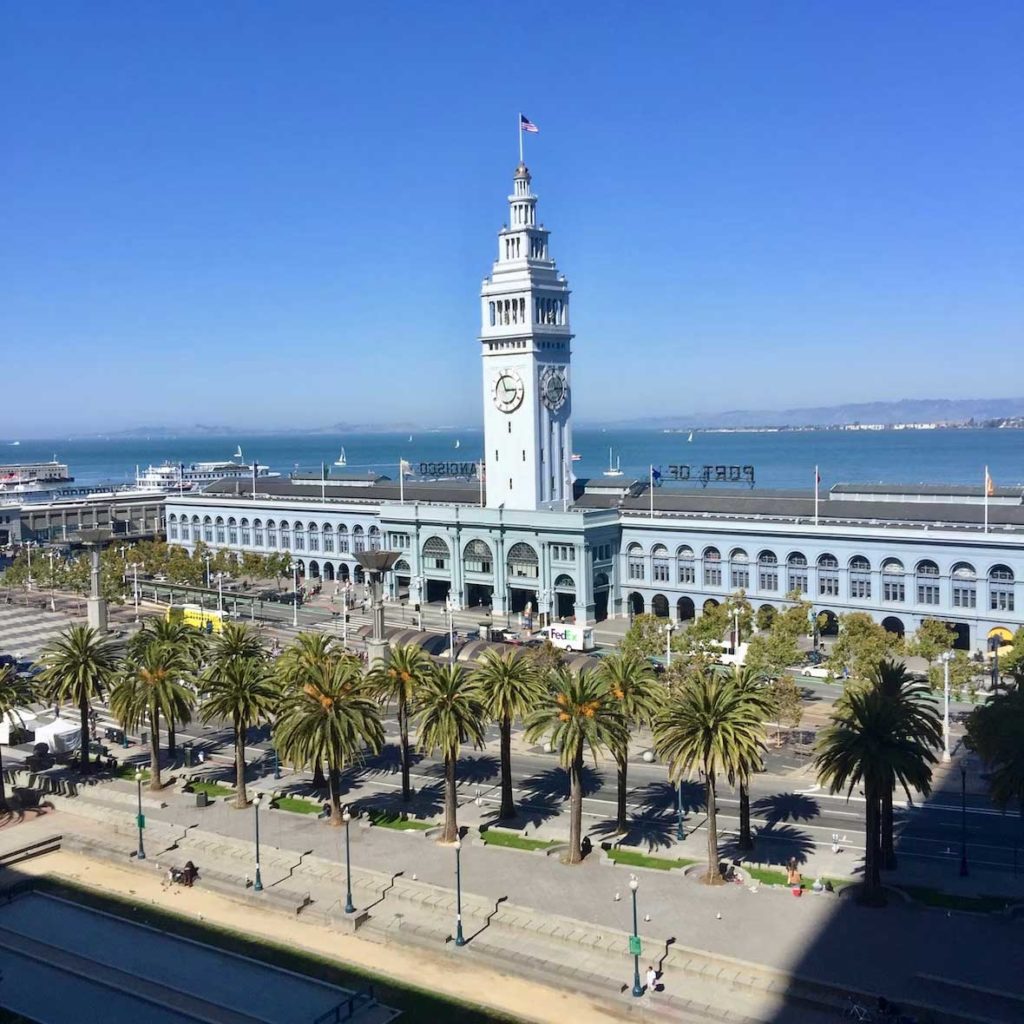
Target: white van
x=567, y=637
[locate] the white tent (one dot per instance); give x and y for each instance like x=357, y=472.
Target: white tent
x=60, y=735
x=12, y=721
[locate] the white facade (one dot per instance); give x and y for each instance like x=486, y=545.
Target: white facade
x=525, y=345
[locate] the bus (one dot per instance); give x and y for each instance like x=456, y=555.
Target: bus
x=207, y=620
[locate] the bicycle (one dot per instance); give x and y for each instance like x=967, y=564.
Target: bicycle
x=858, y=1012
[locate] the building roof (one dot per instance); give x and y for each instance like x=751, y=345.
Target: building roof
x=932, y=490
x=446, y=492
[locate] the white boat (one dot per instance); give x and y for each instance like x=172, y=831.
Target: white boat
x=458, y=444
x=690, y=438
x=410, y=437
x=615, y=470
x=341, y=460
x=238, y=454
x=576, y=457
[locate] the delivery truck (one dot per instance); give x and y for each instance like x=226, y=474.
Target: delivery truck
x=567, y=637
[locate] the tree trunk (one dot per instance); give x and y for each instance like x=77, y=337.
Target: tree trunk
x=622, y=764
x=3, y=784
x=403, y=730
x=714, y=875
x=451, y=826
x=335, y=797
x=319, y=782
x=508, y=806
x=241, y=798
x=888, y=858
x=872, y=894
x=746, y=842
x=155, y=783
x=172, y=744
x=576, y=808
x=83, y=710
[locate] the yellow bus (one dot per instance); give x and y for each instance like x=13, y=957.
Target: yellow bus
x=207, y=620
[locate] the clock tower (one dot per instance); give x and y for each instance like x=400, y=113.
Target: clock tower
x=525, y=347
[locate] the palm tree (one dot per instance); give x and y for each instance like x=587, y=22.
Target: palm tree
x=579, y=713
x=868, y=745
x=245, y=691
x=329, y=719
x=915, y=704
x=511, y=688
x=16, y=692
x=152, y=686
x=181, y=635
x=630, y=679
x=398, y=679
x=79, y=665
x=710, y=724
x=449, y=710
x=995, y=731
x=749, y=760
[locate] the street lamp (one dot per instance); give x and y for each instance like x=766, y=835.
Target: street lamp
x=669, y=627
x=53, y=603
x=135, y=569
x=459, y=940
x=258, y=883
x=207, y=559
x=350, y=907
x=448, y=607
x=220, y=592
x=963, y=819
x=139, y=819
x=638, y=989
x=945, y=658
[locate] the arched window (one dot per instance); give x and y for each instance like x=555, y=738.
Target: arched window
x=796, y=573
x=712, y=567
x=684, y=565
x=328, y=537
x=860, y=578
x=894, y=588
x=286, y=535
x=246, y=534
x=477, y=557
x=402, y=566
x=739, y=570
x=185, y=533
x=257, y=533
x=232, y=530
x=965, y=585
x=659, y=564
x=565, y=582
x=374, y=536
x=1000, y=588
x=219, y=524
x=828, y=576
x=358, y=538
x=767, y=571
x=208, y=529
x=635, y=562
x=523, y=560
x=435, y=553
x=300, y=537
x=314, y=537
x=343, y=539
x=271, y=534
x=927, y=582
x=172, y=526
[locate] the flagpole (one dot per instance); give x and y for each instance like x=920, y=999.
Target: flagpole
x=652, y=491
x=986, y=498
x=519, y=128
x=401, y=480
x=323, y=481
x=480, y=477
x=817, y=478
x=254, y=481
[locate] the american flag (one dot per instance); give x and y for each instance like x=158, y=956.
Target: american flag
x=526, y=125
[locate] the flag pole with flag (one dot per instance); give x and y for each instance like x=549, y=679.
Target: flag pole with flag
x=817, y=484
x=525, y=125
x=403, y=468
x=655, y=478
x=323, y=481
x=254, y=467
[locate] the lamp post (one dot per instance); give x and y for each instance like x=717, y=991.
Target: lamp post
x=963, y=820
x=53, y=603
x=140, y=821
x=945, y=658
x=451, y=627
x=669, y=627
x=220, y=592
x=350, y=907
x=459, y=939
x=420, y=595
x=638, y=989
x=295, y=594
x=135, y=587
x=257, y=885
x=206, y=558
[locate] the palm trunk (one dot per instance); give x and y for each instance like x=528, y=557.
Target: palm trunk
x=83, y=710
x=451, y=825
x=576, y=808
x=155, y=783
x=872, y=894
x=888, y=845
x=3, y=783
x=403, y=730
x=172, y=745
x=241, y=799
x=714, y=875
x=622, y=764
x=335, y=797
x=746, y=842
x=319, y=782
x=508, y=806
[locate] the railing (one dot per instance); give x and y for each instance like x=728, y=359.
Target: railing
x=345, y=1009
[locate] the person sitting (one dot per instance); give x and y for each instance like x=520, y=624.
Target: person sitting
x=793, y=874
x=189, y=874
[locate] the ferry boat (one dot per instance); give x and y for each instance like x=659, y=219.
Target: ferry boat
x=170, y=476
x=27, y=483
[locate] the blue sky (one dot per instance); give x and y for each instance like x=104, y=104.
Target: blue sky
x=281, y=213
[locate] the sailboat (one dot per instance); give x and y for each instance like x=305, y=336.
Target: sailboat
x=238, y=454
x=576, y=457
x=690, y=438
x=340, y=460
x=410, y=438
x=458, y=444
x=613, y=470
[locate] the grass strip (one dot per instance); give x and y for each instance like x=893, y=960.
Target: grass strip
x=769, y=876
x=636, y=859
x=951, y=901
x=392, y=819
x=296, y=805
x=127, y=771
x=515, y=842
x=210, y=788
x=418, y=1006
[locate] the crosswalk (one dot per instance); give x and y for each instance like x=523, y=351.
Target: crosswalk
x=24, y=632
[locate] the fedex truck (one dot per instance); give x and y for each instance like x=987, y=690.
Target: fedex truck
x=568, y=637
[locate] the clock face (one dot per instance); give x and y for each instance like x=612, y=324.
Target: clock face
x=508, y=391
x=554, y=388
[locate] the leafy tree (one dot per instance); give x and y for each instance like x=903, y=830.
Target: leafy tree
x=771, y=652
x=578, y=714
x=787, y=707
x=711, y=724
x=16, y=693
x=861, y=645
x=932, y=639
x=191, y=642
x=631, y=681
x=328, y=720
x=708, y=629
x=239, y=642
x=245, y=691
x=961, y=675
x=645, y=636
x=511, y=688
x=450, y=710
x=1013, y=661
x=80, y=664
x=995, y=731
x=544, y=657
x=764, y=617
x=399, y=679
x=739, y=606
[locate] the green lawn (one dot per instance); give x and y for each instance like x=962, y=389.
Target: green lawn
x=417, y=1005
x=771, y=876
x=392, y=819
x=514, y=841
x=636, y=859
x=297, y=805
x=950, y=901
x=127, y=771
x=211, y=788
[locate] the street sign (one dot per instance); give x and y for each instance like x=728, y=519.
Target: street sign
x=140, y=820
x=634, y=945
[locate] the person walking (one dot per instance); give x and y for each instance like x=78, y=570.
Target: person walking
x=652, y=979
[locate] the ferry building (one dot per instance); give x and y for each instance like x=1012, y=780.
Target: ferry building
x=530, y=534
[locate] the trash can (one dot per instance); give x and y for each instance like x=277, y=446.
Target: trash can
x=190, y=754
x=202, y=799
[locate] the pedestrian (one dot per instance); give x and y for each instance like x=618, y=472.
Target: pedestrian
x=835, y=842
x=652, y=979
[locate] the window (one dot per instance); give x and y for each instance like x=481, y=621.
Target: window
x=563, y=552
x=828, y=576
x=257, y=532
x=271, y=534
x=172, y=527
x=184, y=530
x=359, y=539
x=684, y=565
x=286, y=537
x=767, y=571
x=927, y=583
x=343, y=539
x=220, y=530
x=300, y=537
x=523, y=561
x=476, y=557
x=375, y=538
x=1000, y=588
x=860, y=578
x=435, y=553
x=712, y=567
x=635, y=562
x=399, y=541
x=796, y=573
x=965, y=586
x=245, y=533
x=314, y=537
x=894, y=589
x=232, y=531
x=328, y=537
x=208, y=530
x=739, y=570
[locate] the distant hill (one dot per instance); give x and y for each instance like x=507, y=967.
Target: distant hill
x=906, y=410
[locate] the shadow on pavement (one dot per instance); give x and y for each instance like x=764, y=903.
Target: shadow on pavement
x=654, y=832
x=662, y=797
x=781, y=807
x=554, y=784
